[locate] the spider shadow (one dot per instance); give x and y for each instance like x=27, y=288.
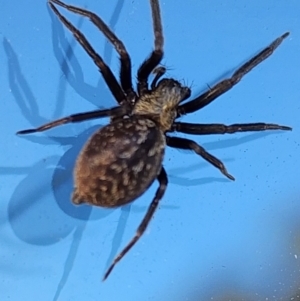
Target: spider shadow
x=49, y=224
x=70, y=66
x=32, y=205
x=41, y=212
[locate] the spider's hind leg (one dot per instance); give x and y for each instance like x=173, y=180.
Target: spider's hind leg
x=163, y=182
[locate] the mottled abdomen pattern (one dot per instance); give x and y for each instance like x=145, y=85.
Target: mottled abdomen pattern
x=119, y=162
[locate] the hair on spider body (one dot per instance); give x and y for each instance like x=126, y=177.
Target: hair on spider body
x=122, y=159
x=119, y=162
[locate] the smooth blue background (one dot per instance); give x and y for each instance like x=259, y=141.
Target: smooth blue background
x=211, y=239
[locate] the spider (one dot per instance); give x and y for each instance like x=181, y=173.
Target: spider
x=122, y=159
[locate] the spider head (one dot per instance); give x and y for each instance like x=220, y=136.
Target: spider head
x=161, y=103
x=170, y=90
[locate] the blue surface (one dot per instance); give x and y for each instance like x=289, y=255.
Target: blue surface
x=211, y=239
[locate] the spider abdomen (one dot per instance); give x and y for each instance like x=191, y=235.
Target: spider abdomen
x=119, y=162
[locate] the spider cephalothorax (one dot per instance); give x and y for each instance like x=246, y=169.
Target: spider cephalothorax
x=121, y=160
x=161, y=103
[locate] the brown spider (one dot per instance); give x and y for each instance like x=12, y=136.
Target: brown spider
x=122, y=159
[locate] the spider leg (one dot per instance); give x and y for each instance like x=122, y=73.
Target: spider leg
x=226, y=84
x=107, y=74
x=159, y=72
x=163, y=182
x=117, y=111
x=218, y=128
x=125, y=72
x=156, y=56
x=183, y=143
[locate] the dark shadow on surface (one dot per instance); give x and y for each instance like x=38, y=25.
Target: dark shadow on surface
x=27, y=103
x=20, y=88
x=32, y=214
x=33, y=206
x=117, y=239
x=63, y=52
x=74, y=75
x=62, y=175
x=26, y=197
x=77, y=235
x=42, y=213
x=71, y=67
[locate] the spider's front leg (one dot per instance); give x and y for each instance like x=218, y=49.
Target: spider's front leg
x=156, y=56
x=226, y=84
